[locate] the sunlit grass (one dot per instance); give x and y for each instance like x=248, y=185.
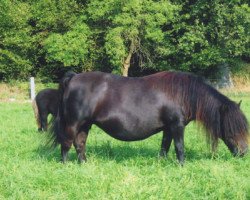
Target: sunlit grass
x=115, y=169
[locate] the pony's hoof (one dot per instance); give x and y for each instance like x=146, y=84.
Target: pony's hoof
x=63, y=161
x=162, y=155
x=81, y=161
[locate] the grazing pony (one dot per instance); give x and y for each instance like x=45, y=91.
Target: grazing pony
x=45, y=103
x=131, y=109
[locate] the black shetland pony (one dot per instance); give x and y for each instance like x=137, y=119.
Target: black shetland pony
x=131, y=109
x=45, y=103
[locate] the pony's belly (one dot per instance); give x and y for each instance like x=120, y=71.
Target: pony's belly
x=118, y=131
x=131, y=136
x=130, y=124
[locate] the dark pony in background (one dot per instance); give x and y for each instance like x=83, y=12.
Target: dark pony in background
x=131, y=109
x=45, y=103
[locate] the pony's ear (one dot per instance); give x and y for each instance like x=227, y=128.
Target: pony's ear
x=239, y=104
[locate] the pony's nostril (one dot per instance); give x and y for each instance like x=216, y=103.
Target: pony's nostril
x=235, y=152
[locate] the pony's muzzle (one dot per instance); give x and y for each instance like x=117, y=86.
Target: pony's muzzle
x=243, y=152
x=240, y=151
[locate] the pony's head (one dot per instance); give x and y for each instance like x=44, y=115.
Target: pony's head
x=234, y=128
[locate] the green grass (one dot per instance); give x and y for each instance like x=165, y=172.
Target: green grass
x=115, y=169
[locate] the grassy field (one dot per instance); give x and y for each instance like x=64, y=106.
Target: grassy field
x=115, y=169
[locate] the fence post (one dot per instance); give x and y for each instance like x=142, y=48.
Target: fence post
x=32, y=88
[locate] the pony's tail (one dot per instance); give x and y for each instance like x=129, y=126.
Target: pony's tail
x=36, y=113
x=58, y=123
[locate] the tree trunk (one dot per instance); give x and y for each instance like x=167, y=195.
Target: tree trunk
x=126, y=63
x=126, y=66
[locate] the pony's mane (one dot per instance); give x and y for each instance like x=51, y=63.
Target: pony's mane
x=220, y=116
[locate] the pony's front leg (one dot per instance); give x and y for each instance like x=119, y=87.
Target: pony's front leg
x=179, y=143
x=165, y=143
x=79, y=144
x=65, y=147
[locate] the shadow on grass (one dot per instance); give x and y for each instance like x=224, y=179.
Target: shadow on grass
x=121, y=152
x=222, y=154
x=47, y=153
x=104, y=151
x=124, y=152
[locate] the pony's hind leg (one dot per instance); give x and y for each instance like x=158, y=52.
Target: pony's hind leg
x=165, y=143
x=44, y=121
x=67, y=141
x=65, y=147
x=80, y=143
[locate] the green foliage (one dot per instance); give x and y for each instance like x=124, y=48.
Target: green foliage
x=55, y=16
x=238, y=40
x=70, y=48
x=44, y=37
x=15, y=41
x=136, y=23
x=241, y=70
x=115, y=47
x=61, y=37
x=13, y=66
x=210, y=33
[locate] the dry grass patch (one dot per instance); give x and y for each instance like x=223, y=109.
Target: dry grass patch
x=19, y=91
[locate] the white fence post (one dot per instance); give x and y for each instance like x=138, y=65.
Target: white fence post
x=32, y=88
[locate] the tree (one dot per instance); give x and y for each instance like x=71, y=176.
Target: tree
x=61, y=34
x=208, y=34
x=70, y=48
x=47, y=37
x=15, y=41
x=133, y=28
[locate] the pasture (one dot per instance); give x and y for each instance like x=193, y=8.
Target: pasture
x=115, y=169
